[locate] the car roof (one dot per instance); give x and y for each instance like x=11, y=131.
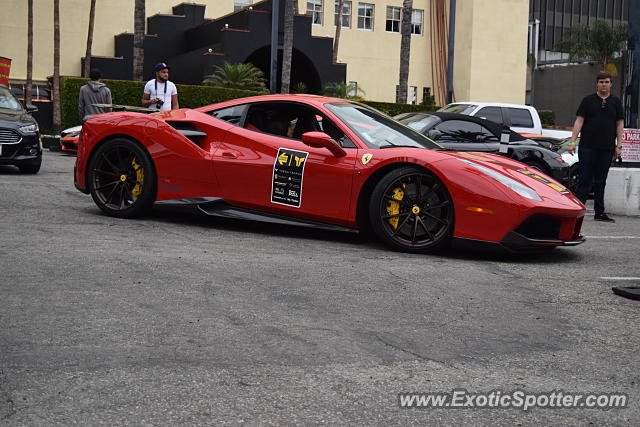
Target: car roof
x=490, y=104
x=493, y=126
x=305, y=98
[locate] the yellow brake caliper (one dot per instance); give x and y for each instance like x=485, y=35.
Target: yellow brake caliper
x=137, y=190
x=394, y=207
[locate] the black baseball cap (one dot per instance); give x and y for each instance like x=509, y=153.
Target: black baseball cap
x=160, y=66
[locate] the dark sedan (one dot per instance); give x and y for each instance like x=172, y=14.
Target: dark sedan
x=467, y=133
x=19, y=136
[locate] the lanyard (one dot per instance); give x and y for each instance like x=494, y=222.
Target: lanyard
x=165, y=89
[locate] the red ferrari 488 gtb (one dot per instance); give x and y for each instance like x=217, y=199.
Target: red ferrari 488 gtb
x=321, y=162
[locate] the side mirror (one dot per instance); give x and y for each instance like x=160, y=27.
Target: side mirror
x=322, y=140
x=31, y=108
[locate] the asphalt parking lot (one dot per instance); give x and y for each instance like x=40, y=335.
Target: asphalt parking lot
x=181, y=319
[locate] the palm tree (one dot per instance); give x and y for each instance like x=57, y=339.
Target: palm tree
x=336, y=39
x=138, y=39
x=287, y=48
x=299, y=87
x=56, y=66
x=87, y=55
x=237, y=76
x=27, y=89
x=600, y=43
x=343, y=90
x=405, y=50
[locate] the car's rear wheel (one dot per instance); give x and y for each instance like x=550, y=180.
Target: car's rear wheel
x=122, y=179
x=411, y=210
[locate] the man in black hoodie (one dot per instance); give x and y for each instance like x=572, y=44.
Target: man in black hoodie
x=94, y=92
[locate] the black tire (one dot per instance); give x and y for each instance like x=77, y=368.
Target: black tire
x=573, y=177
x=535, y=164
x=122, y=179
x=412, y=211
x=30, y=169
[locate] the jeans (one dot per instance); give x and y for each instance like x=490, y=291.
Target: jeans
x=593, y=169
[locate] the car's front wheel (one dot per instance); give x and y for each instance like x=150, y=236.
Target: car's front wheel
x=122, y=179
x=32, y=168
x=534, y=164
x=411, y=210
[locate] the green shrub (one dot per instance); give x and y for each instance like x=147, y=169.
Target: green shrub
x=126, y=92
x=547, y=117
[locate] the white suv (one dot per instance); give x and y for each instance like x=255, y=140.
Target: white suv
x=520, y=118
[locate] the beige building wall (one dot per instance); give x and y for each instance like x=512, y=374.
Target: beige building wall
x=373, y=57
x=490, y=62
x=490, y=56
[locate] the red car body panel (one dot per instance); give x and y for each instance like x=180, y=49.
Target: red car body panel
x=237, y=164
x=69, y=144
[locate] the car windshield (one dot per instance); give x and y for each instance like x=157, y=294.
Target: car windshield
x=417, y=121
x=458, y=108
x=377, y=130
x=8, y=101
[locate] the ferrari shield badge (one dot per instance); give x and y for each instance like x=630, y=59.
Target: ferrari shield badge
x=366, y=158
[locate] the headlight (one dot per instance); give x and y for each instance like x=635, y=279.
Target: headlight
x=73, y=131
x=28, y=128
x=521, y=189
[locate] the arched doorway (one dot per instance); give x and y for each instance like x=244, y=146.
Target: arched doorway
x=302, y=69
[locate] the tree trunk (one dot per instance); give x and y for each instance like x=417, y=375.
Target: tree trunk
x=27, y=89
x=87, y=55
x=336, y=39
x=287, y=47
x=405, y=50
x=138, y=40
x=57, y=120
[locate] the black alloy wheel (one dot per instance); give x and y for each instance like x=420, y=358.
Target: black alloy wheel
x=122, y=179
x=412, y=211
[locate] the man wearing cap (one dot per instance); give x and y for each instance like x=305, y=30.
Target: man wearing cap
x=160, y=94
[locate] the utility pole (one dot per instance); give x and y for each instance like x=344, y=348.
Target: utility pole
x=634, y=50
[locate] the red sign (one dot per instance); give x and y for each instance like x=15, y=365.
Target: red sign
x=631, y=145
x=5, y=67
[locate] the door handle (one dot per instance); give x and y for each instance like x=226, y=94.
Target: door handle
x=229, y=155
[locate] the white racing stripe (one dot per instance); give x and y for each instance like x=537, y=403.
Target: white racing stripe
x=620, y=278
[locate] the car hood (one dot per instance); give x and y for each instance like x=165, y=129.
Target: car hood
x=15, y=119
x=544, y=185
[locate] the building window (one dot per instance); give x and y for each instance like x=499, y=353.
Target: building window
x=365, y=16
x=417, y=21
x=426, y=96
x=352, y=89
x=413, y=95
x=240, y=4
x=346, y=14
x=393, y=19
x=314, y=8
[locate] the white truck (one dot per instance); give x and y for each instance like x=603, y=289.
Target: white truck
x=520, y=118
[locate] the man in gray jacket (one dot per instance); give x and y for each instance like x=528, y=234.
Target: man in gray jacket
x=94, y=92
